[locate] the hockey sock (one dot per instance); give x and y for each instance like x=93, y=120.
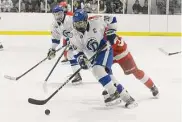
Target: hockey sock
x=140, y=75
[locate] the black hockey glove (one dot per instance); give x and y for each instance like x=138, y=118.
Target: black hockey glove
x=51, y=54
x=83, y=61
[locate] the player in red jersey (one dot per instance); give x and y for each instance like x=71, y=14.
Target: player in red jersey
x=123, y=57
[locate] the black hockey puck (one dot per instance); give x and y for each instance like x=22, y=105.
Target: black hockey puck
x=47, y=111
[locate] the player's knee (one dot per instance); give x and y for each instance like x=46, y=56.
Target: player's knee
x=102, y=76
x=108, y=70
x=99, y=71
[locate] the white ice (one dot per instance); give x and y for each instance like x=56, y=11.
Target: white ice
x=84, y=103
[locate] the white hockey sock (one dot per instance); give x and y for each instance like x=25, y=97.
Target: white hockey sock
x=110, y=88
x=114, y=80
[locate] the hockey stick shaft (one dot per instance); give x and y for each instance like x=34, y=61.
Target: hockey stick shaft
x=26, y=72
x=42, y=102
x=167, y=53
x=56, y=64
x=174, y=53
x=31, y=69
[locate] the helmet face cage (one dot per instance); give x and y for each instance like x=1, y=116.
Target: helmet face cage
x=80, y=20
x=59, y=16
x=80, y=25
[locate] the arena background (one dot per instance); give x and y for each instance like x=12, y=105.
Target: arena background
x=135, y=17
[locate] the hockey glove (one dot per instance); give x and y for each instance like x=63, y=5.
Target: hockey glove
x=51, y=54
x=83, y=61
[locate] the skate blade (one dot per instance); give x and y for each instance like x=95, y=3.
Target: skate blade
x=133, y=105
x=157, y=96
x=115, y=102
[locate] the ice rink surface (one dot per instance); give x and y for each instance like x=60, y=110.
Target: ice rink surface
x=84, y=103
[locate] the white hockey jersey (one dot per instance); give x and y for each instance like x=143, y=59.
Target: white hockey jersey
x=92, y=39
x=61, y=30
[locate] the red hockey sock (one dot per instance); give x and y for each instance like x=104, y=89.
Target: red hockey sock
x=140, y=75
x=65, y=54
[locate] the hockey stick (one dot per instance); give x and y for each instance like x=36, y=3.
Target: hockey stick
x=169, y=54
x=42, y=102
x=174, y=53
x=17, y=78
x=56, y=63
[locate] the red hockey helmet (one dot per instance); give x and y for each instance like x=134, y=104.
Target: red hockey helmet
x=64, y=5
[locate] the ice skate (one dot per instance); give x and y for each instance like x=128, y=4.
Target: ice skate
x=125, y=96
x=77, y=79
x=155, y=91
x=112, y=99
x=131, y=103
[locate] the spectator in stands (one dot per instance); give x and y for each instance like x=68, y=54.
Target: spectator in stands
x=136, y=7
x=94, y=6
x=102, y=6
x=87, y=6
x=7, y=5
x=15, y=6
x=109, y=6
x=43, y=6
x=22, y=8
x=161, y=7
x=75, y=5
x=78, y=4
x=0, y=5
x=145, y=7
x=82, y=4
x=118, y=7
x=35, y=4
x=53, y=4
x=175, y=7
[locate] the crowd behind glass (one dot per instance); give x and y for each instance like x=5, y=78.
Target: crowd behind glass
x=171, y=7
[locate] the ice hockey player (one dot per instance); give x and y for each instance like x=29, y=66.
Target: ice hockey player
x=123, y=57
x=88, y=37
x=1, y=46
x=61, y=29
x=67, y=9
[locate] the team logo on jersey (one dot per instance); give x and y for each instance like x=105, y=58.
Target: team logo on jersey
x=67, y=34
x=92, y=44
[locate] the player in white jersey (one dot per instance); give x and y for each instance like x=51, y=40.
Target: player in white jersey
x=61, y=29
x=88, y=37
x=1, y=46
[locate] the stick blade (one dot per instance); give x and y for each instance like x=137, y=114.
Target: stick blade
x=10, y=77
x=163, y=51
x=37, y=102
